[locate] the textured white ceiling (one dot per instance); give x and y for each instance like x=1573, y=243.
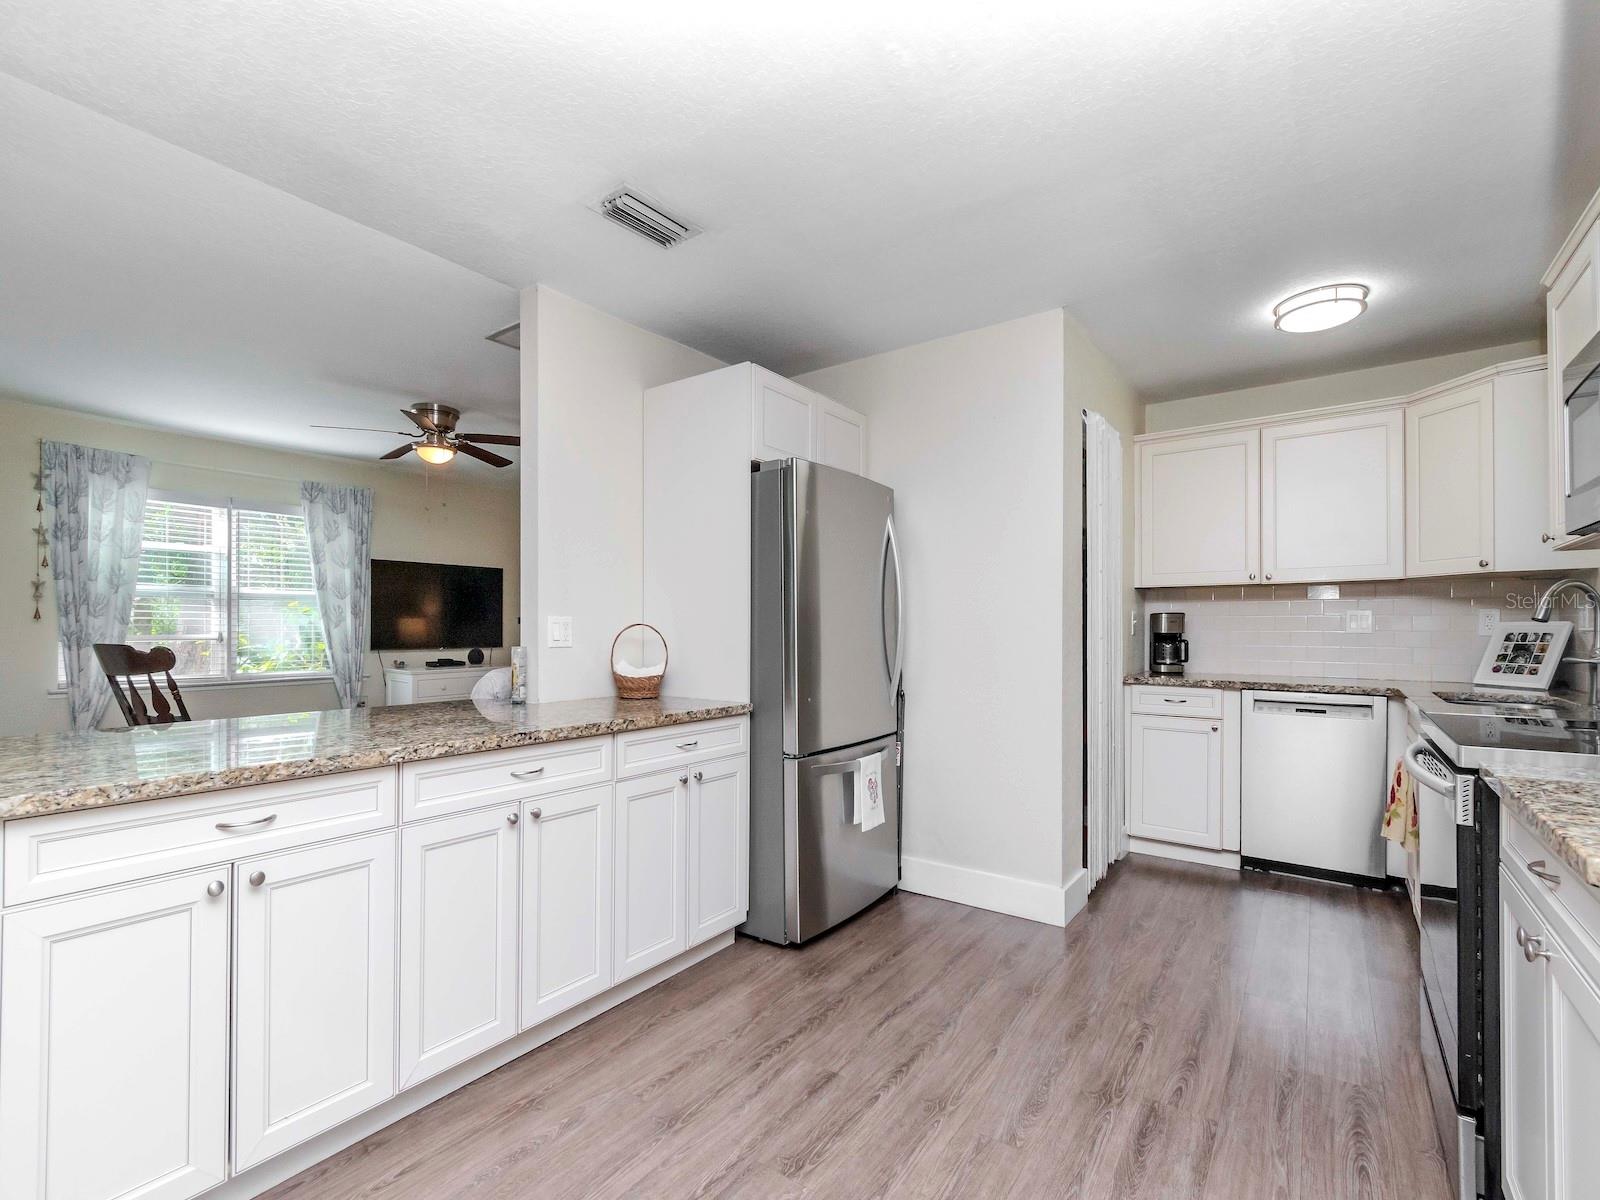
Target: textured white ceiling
x=873, y=174
x=142, y=282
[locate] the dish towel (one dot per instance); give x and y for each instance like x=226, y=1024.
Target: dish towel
x=1400, y=818
x=869, y=792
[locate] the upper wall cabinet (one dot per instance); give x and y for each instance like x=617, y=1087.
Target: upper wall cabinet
x=791, y=421
x=1523, y=537
x=1450, y=482
x=1572, y=317
x=1199, y=509
x=1333, y=499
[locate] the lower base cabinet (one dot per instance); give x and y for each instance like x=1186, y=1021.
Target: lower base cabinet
x=1175, y=779
x=566, y=901
x=651, y=856
x=114, y=1043
x=314, y=992
x=458, y=939
x=719, y=848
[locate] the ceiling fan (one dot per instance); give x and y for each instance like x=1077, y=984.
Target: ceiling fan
x=439, y=442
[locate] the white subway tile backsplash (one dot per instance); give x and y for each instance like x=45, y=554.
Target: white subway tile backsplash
x=1423, y=629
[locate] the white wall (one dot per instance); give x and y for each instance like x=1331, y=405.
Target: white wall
x=454, y=514
x=970, y=431
x=1349, y=387
x=584, y=376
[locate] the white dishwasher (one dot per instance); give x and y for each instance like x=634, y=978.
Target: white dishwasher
x=1314, y=782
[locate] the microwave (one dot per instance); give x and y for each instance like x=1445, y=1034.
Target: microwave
x=1581, y=384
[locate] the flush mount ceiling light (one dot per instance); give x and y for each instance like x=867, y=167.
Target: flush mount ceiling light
x=1321, y=307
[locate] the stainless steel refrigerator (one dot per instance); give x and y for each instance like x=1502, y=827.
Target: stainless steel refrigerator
x=826, y=657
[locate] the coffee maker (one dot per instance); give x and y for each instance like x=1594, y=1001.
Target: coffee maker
x=1169, y=649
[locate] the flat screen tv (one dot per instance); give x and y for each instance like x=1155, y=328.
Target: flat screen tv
x=431, y=606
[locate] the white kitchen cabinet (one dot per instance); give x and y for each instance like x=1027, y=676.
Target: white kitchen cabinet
x=458, y=938
x=1524, y=1032
x=1175, y=779
x=791, y=421
x=651, y=861
x=1333, y=498
x=719, y=848
x=1450, y=481
x=114, y=1043
x=1572, y=318
x=1574, y=1062
x=567, y=876
x=838, y=436
x=1523, y=536
x=1198, y=502
x=314, y=991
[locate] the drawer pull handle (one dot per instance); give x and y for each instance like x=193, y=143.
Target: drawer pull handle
x=531, y=773
x=1170, y=700
x=215, y=888
x=1537, y=866
x=258, y=823
x=688, y=745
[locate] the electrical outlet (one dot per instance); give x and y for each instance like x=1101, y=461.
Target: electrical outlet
x=1488, y=621
x=559, y=633
x=1358, y=620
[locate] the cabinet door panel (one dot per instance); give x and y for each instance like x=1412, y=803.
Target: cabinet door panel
x=114, y=1043
x=566, y=898
x=783, y=422
x=314, y=1025
x=1450, y=482
x=1175, y=780
x=1199, y=502
x=651, y=861
x=458, y=939
x=1524, y=1045
x=719, y=848
x=840, y=436
x=1333, y=498
x=1574, y=1063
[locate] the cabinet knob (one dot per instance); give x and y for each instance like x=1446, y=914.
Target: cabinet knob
x=1252, y=576
x=511, y=818
x=535, y=813
x=1545, y=537
x=1268, y=575
x=215, y=888
x=1483, y=562
x=257, y=878
x=683, y=779
x=698, y=776
x=1216, y=729
x=1533, y=949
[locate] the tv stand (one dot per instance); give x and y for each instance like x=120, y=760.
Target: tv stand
x=430, y=685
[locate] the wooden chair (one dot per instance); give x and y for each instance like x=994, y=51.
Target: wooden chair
x=122, y=663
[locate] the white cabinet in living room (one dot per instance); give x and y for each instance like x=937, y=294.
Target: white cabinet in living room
x=1333, y=498
x=1450, y=481
x=314, y=991
x=1199, y=509
x=103, y=1097
x=719, y=848
x=651, y=856
x=566, y=899
x=458, y=938
x=1175, y=779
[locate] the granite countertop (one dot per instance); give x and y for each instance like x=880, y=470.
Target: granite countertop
x=50, y=773
x=1395, y=689
x=1561, y=805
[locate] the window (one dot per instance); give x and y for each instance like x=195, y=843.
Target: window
x=229, y=589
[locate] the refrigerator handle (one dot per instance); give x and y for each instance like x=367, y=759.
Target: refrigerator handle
x=891, y=547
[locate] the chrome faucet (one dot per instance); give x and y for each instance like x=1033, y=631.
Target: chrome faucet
x=1541, y=613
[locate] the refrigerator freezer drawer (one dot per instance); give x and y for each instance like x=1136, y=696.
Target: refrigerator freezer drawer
x=838, y=870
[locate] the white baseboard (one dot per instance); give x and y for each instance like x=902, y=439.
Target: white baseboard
x=1025, y=898
x=308, y=1153
x=1190, y=854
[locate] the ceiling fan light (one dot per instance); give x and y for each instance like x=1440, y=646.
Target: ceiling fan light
x=1321, y=308
x=434, y=452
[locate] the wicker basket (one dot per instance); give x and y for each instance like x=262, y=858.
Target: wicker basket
x=638, y=687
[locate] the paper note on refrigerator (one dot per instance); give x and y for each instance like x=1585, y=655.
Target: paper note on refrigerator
x=869, y=792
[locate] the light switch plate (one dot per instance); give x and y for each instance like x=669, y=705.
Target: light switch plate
x=559, y=633
x=1488, y=621
x=1358, y=620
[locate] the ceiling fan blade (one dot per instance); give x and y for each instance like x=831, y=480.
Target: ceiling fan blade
x=397, y=452
x=420, y=420
x=494, y=460
x=363, y=429
x=490, y=439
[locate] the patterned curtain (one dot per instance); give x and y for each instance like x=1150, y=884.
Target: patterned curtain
x=94, y=519
x=339, y=529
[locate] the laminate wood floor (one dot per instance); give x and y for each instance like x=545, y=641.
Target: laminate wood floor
x=1195, y=1033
